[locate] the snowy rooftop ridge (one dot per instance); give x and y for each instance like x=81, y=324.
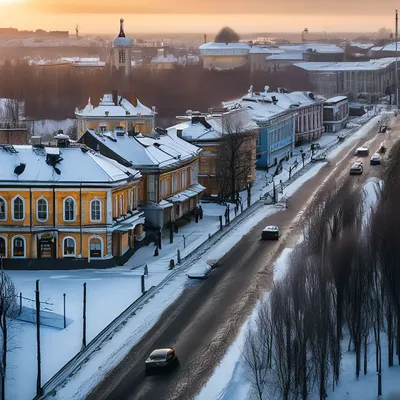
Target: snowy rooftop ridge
x=371, y=65
x=146, y=152
x=76, y=165
x=108, y=108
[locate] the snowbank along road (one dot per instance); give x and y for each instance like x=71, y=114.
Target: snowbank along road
x=205, y=319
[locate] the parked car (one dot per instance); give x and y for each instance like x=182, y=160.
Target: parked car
x=356, y=168
x=270, y=233
x=362, y=151
x=376, y=159
x=161, y=360
x=200, y=271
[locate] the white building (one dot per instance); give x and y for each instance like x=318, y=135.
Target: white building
x=336, y=113
x=114, y=112
x=121, y=52
x=224, y=55
x=374, y=77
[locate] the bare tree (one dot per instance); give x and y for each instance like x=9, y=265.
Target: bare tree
x=227, y=35
x=8, y=311
x=11, y=111
x=235, y=156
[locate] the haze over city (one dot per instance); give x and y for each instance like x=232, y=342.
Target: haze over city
x=191, y=16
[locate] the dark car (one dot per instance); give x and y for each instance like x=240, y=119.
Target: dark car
x=161, y=360
x=270, y=233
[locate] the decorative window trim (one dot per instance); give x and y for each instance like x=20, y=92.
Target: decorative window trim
x=12, y=246
x=47, y=209
x=102, y=246
x=5, y=209
x=12, y=208
x=6, y=245
x=63, y=210
x=101, y=210
x=63, y=247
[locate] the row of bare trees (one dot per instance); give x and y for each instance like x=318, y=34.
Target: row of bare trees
x=343, y=278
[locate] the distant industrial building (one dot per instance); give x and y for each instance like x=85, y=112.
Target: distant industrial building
x=370, y=79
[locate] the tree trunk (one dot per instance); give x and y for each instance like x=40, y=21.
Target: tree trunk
x=365, y=354
x=4, y=356
x=398, y=339
x=390, y=335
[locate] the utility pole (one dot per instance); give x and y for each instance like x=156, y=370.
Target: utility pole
x=39, y=362
x=396, y=78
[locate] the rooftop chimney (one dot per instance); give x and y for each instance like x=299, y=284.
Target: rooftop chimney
x=179, y=133
x=134, y=100
x=115, y=97
x=205, y=38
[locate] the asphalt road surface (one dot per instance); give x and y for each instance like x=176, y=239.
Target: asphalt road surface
x=205, y=319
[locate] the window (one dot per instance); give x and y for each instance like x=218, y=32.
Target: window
x=183, y=179
x=69, y=247
x=3, y=249
x=95, y=210
x=121, y=205
x=3, y=209
x=121, y=56
x=69, y=209
x=95, y=247
x=174, y=183
x=18, y=246
x=42, y=209
x=18, y=209
x=165, y=187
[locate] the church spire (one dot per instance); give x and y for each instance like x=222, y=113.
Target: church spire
x=121, y=28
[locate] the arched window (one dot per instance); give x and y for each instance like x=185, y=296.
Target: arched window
x=18, y=208
x=95, y=210
x=121, y=56
x=95, y=247
x=69, y=209
x=18, y=247
x=69, y=247
x=3, y=247
x=3, y=209
x=42, y=206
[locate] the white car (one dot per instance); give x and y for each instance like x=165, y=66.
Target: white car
x=362, y=151
x=200, y=271
x=376, y=159
x=356, y=168
x=270, y=232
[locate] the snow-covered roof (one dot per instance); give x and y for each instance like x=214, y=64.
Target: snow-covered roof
x=264, y=50
x=123, y=109
x=315, y=47
x=146, y=152
x=364, y=46
x=261, y=106
x=78, y=165
x=336, y=99
x=214, y=45
x=286, y=56
x=168, y=59
x=386, y=47
x=224, y=49
x=370, y=65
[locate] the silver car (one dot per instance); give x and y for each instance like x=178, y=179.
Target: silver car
x=161, y=360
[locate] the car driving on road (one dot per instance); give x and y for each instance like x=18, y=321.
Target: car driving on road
x=362, y=151
x=356, y=168
x=161, y=360
x=270, y=233
x=376, y=159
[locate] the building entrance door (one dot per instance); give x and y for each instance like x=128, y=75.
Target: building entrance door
x=46, y=246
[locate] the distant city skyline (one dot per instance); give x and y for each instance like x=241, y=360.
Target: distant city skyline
x=185, y=16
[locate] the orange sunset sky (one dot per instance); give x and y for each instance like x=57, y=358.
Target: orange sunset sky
x=181, y=16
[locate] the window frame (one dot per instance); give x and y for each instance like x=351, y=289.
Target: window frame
x=12, y=246
x=101, y=249
x=63, y=247
x=13, y=209
x=100, y=210
x=64, y=209
x=47, y=209
x=5, y=246
x=5, y=208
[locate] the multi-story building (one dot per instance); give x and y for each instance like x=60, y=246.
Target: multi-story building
x=208, y=131
x=370, y=78
x=224, y=55
x=169, y=166
x=66, y=208
x=283, y=119
x=113, y=112
x=336, y=113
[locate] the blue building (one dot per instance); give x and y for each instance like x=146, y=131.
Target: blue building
x=276, y=139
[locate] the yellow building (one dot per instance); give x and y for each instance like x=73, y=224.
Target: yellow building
x=116, y=112
x=169, y=166
x=66, y=208
x=210, y=132
x=224, y=55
